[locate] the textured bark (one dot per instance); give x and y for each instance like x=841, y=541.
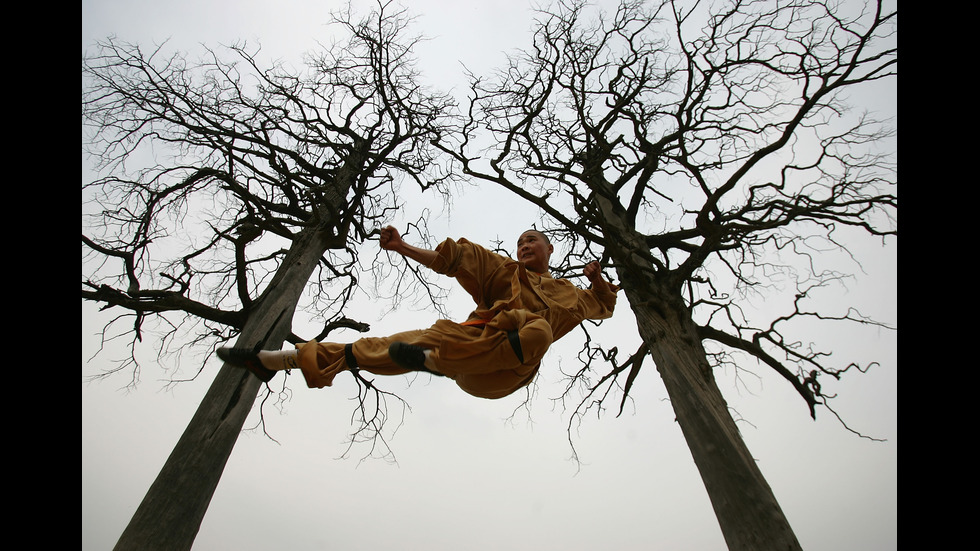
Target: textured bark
x=746, y=508
x=170, y=514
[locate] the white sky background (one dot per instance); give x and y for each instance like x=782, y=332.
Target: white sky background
x=466, y=477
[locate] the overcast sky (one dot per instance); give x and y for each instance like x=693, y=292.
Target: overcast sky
x=471, y=474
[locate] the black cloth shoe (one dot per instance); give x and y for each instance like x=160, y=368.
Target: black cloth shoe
x=408, y=356
x=243, y=357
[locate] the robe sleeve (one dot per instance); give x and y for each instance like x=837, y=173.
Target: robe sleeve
x=472, y=266
x=605, y=302
x=569, y=305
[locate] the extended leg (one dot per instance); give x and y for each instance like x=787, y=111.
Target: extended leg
x=321, y=362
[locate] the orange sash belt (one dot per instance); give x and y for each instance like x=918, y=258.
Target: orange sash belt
x=475, y=322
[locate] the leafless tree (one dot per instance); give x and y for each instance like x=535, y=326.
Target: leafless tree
x=699, y=149
x=224, y=190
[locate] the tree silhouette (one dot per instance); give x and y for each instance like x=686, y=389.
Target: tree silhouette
x=226, y=189
x=707, y=154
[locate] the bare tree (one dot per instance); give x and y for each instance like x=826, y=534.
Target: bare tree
x=700, y=149
x=225, y=190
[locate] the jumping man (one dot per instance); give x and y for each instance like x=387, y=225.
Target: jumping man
x=520, y=311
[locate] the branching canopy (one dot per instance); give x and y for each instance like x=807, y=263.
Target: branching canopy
x=210, y=173
x=709, y=144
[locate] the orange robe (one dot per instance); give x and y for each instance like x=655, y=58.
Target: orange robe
x=479, y=358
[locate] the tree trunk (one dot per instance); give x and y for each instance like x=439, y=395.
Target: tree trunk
x=170, y=514
x=746, y=508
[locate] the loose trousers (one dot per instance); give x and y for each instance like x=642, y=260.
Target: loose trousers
x=481, y=359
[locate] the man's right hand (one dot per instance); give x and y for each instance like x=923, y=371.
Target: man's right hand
x=391, y=240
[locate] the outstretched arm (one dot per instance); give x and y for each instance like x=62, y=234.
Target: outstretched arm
x=391, y=240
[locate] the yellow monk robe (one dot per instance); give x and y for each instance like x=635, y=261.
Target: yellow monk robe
x=477, y=353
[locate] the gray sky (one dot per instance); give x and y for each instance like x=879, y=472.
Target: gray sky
x=472, y=474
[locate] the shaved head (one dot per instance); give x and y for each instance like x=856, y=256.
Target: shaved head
x=540, y=234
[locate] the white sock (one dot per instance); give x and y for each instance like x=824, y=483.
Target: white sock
x=278, y=360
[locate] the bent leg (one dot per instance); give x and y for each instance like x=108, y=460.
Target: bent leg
x=499, y=372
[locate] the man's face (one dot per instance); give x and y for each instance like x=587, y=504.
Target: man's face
x=534, y=251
